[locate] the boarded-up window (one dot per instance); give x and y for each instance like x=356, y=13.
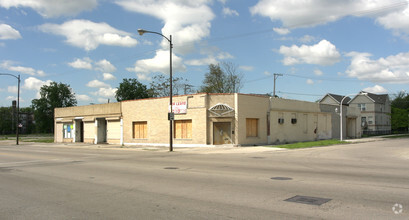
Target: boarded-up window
x=183, y=129
x=252, y=127
x=140, y=130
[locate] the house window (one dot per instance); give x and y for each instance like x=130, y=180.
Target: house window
x=252, y=127
x=183, y=129
x=140, y=130
x=67, y=129
x=362, y=107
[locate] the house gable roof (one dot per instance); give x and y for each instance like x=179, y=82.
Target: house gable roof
x=379, y=99
x=337, y=98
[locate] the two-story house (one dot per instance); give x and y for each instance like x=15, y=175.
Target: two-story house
x=375, y=112
x=351, y=116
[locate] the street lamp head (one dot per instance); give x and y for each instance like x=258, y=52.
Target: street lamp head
x=141, y=31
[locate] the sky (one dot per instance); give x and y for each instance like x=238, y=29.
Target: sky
x=319, y=46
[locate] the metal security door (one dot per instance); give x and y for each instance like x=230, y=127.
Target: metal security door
x=222, y=133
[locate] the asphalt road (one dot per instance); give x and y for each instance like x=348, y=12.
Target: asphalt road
x=56, y=181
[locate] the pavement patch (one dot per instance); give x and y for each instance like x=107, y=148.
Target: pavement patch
x=308, y=200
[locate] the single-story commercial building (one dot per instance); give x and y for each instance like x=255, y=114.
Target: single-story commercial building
x=200, y=119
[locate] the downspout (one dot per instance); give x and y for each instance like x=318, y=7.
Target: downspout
x=122, y=132
x=96, y=132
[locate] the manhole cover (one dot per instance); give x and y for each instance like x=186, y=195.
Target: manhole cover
x=281, y=178
x=308, y=200
x=170, y=168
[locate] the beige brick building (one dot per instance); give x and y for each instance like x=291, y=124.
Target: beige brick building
x=200, y=119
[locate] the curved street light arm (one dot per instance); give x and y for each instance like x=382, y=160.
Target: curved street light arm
x=170, y=115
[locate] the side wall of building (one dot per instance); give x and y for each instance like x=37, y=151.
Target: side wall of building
x=88, y=124
x=154, y=112
x=294, y=121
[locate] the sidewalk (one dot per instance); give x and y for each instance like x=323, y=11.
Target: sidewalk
x=197, y=150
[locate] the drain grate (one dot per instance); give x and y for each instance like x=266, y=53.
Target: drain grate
x=281, y=178
x=171, y=168
x=308, y=200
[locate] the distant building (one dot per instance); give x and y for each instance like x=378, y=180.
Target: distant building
x=375, y=110
x=8, y=119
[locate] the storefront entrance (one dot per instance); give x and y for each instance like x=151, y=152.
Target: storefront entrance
x=222, y=133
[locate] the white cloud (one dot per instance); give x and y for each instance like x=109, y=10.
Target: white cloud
x=10, y=65
x=376, y=89
x=12, y=89
x=229, y=12
x=310, y=82
x=318, y=72
x=97, y=84
x=105, y=66
x=85, y=63
x=392, y=69
x=8, y=33
x=246, y=68
x=84, y=98
x=397, y=21
x=295, y=14
x=108, y=76
x=160, y=63
x=32, y=83
x=186, y=21
x=324, y=53
x=105, y=92
x=213, y=56
x=281, y=31
x=103, y=100
x=52, y=8
x=89, y=35
x=307, y=39
x=11, y=98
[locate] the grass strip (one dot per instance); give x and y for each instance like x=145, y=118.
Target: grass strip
x=309, y=144
x=398, y=136
x=39, y=140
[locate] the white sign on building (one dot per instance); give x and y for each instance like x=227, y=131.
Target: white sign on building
x=179, y=107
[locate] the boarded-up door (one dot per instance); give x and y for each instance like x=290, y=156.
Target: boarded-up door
x=222, y=133
x=351, y=127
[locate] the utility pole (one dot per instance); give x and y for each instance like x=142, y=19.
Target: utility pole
x=276, y=75
x=188, y=88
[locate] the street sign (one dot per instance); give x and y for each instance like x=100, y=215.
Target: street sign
x=171, y=116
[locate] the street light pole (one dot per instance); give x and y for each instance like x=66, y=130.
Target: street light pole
x=170, y=115
x=18, y=103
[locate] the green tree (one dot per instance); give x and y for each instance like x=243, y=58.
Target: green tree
x=130, y=89
x=399, y=119
x=400, y=112
x=53, y=96
x=6, y=123
x=160, y=86
x=222, y=79
x=401, y=100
